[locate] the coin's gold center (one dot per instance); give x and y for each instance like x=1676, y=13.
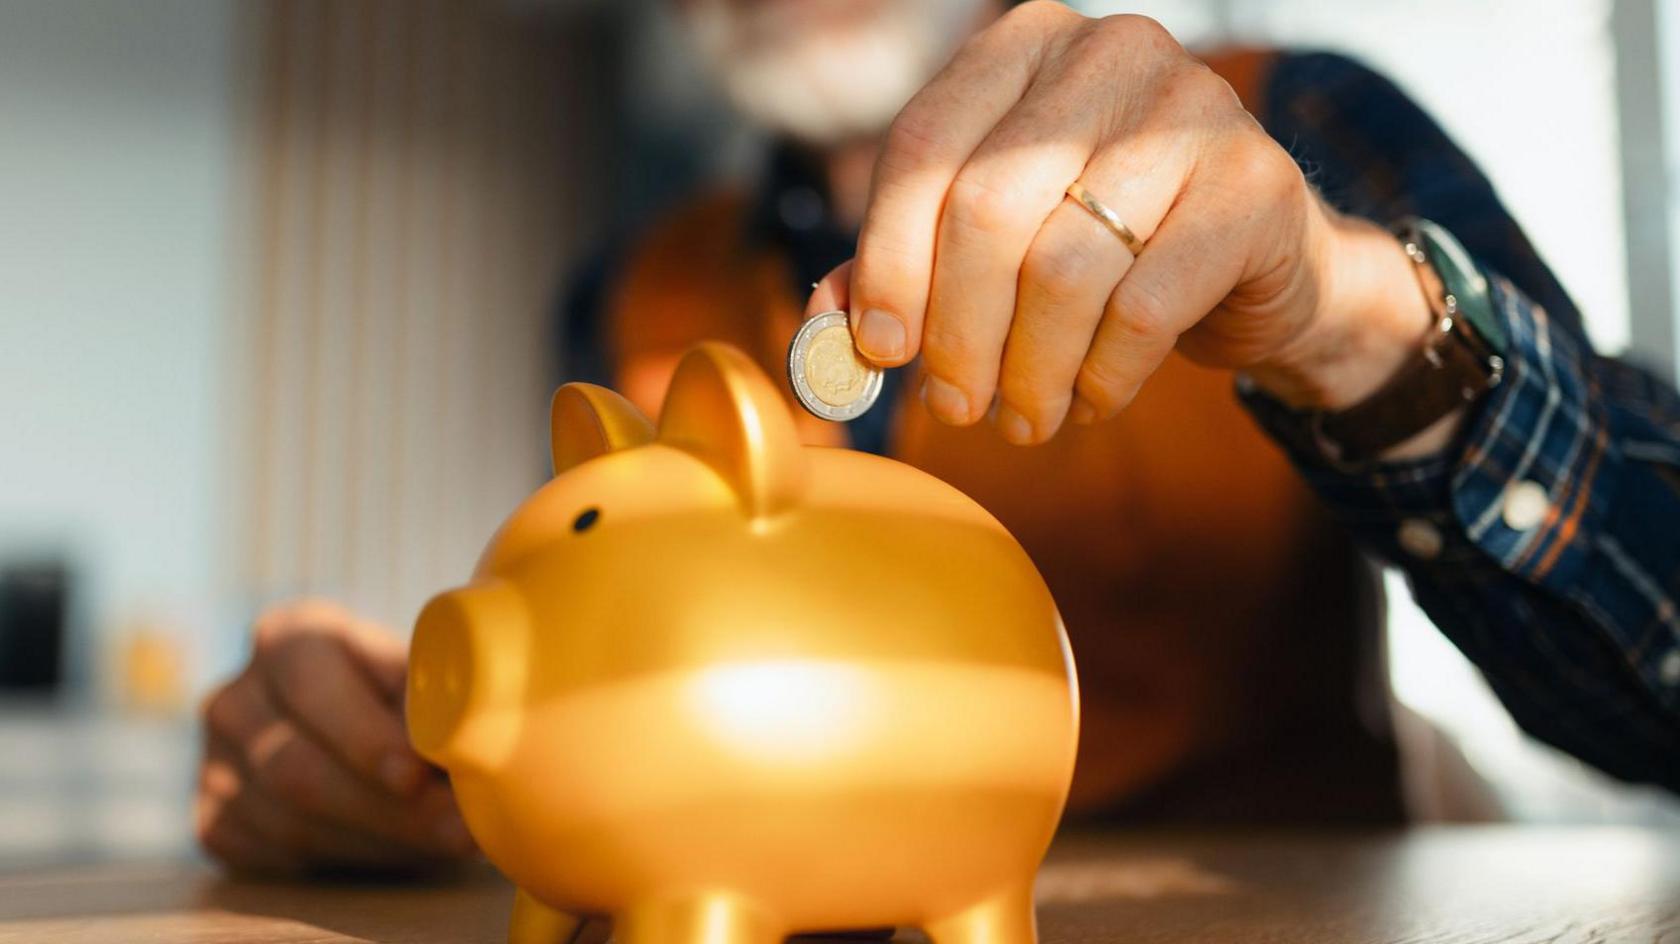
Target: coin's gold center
x=833, y=369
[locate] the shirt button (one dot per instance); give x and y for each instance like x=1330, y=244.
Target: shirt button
x=1526, y=504
x=1669, y=670
x=1419, y=538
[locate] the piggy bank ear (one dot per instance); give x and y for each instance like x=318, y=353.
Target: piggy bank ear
x=721, y=408
x=586, y=421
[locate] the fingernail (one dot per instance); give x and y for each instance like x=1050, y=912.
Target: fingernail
x=944, y=400
x=401, y=772
x=452, y=833
x=1082, y=412
x=1014, y=427
x=880, y=336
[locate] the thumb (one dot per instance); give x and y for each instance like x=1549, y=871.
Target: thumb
x=833, y=293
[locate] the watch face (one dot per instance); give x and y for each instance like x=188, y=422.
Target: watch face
x=1465, y=281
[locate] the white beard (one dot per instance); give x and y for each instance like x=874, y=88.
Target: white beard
x=824, y=84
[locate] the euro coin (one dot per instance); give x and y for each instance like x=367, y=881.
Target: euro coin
x=828, y=375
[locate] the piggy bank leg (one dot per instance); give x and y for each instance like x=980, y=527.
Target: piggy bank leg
x=705, y=919
x=536, y=923
x=1004, y=918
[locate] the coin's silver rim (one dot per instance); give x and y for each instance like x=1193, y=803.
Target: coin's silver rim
x=807, y=397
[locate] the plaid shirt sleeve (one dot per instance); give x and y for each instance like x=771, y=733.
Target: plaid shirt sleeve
x=1546, y=541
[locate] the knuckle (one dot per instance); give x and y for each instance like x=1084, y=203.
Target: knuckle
x=1207, y=87
x=978, y=205
x=1189, y=90
x=309, y=614
x=913, y=140
x=1101, y=386
x=221, y=711
x=1262, y=167
x=1255, y=167
x=1063, y=272
x=1040, y=12
x=272, y=628
x=295, y=776
x=1287, y=176
x=319, y=613
x=1142, y=313
x=1138, y=32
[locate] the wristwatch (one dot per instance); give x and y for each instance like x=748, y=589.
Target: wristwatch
x=1462, y=358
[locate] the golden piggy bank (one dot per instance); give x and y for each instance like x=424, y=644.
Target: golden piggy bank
x=722, y=687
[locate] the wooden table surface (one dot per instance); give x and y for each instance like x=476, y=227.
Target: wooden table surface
x=1505, y=883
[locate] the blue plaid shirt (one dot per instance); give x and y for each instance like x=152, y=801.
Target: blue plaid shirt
x=1574, y=618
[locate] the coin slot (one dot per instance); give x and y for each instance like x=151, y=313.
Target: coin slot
x=586, y=520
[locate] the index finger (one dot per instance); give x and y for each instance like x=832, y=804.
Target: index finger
x=833, y=293
x=314, y=677
x=928, y=143
x=378, y=650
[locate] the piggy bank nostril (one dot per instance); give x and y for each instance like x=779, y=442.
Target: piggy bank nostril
x=586, y=520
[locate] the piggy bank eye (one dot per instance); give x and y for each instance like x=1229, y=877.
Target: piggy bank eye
x=586, y=520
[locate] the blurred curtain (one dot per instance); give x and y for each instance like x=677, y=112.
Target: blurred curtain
x=419, y=173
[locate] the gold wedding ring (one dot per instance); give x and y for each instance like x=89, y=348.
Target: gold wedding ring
x=1109, y=218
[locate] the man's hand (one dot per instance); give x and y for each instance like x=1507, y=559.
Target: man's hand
x=306, y=762
x=971, y=256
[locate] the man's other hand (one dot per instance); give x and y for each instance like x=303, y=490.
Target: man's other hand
x=306, y=762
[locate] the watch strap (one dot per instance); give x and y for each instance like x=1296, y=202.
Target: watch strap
x=1459, y=360
x=1450, y=369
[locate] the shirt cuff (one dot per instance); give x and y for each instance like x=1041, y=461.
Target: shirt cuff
x=1527, y=476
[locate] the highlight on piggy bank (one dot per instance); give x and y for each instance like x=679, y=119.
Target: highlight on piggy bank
x=719, y=686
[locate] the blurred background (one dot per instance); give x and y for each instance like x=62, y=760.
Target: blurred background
x=277, y=294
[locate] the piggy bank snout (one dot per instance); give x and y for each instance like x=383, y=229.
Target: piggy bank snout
x=466, y=675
